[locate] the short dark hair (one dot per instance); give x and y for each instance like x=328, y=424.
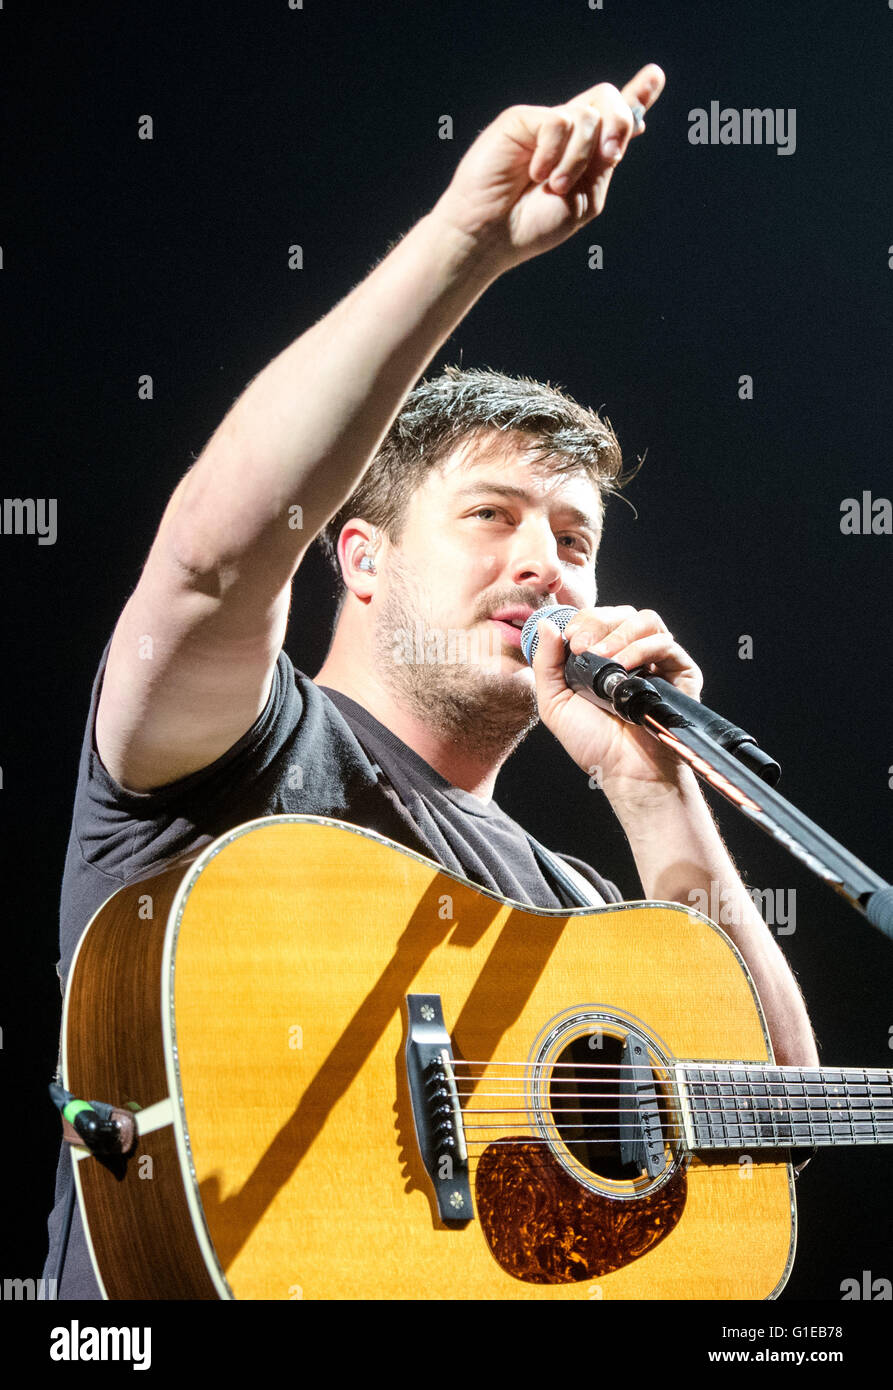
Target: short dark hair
x=460, y=405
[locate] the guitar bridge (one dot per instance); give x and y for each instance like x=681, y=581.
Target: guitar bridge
x=435, y=1107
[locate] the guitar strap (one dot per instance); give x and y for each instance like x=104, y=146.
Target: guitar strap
x=570, y=886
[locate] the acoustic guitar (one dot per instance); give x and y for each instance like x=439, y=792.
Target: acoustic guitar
x=357, y=1076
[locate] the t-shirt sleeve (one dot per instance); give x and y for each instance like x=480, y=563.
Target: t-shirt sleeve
x=115, y=827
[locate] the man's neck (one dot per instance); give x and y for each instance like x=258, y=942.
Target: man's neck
x=472, y=770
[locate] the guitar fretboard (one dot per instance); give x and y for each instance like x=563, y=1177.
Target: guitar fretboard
x=777, y=1107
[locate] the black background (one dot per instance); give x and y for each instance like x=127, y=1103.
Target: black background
x=319, y=126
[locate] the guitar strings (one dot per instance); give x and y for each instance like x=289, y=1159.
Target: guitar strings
x=733, y=1102
x=750, y=1120
x=729, y=1146
x=667, y=1110
x=807, y=1117
x=706, y=1103
x=779, y=1076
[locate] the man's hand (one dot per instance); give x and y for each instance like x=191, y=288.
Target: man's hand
x=538, y=173
x=629, y=762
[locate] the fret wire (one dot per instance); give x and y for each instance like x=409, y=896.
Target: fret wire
x=787, y=1099
x=768, y=1083
x=871, y=1106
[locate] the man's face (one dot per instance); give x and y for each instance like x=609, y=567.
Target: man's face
x=489, y=537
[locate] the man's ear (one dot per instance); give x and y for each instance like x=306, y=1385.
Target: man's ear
x=358, y=546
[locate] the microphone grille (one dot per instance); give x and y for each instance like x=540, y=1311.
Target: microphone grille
x=560, y=616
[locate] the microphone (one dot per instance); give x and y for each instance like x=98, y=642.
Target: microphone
x=632, y=696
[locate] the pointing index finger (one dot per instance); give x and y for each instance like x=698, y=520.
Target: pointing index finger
x=645, y=88
x=641, y=91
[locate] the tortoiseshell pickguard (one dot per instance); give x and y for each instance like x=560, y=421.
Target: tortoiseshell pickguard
x=545, y=1227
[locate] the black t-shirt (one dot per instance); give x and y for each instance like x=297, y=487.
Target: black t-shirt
x=313, y=752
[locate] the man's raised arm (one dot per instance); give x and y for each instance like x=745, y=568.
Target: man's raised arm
x=194, y=650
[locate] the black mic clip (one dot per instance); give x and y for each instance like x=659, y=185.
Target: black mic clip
x=610, y=686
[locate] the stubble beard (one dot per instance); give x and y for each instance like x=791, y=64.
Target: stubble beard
x=486, y=711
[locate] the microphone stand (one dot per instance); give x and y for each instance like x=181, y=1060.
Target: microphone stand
x=610, y=686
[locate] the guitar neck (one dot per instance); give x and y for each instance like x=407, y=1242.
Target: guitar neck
x=749, y=1106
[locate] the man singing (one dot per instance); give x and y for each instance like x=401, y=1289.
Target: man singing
x=452, y=512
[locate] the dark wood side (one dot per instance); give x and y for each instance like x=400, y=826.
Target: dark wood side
x=544, y=1227
x=141, y=1227
x=144, y=1241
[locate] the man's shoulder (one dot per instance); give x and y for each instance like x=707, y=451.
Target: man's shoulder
x=291, y=758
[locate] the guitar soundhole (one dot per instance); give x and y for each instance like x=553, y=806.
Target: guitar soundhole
x=584, y=1096
x=543, y=1224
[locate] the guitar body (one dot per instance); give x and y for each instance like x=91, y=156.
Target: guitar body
x=253, y=1008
